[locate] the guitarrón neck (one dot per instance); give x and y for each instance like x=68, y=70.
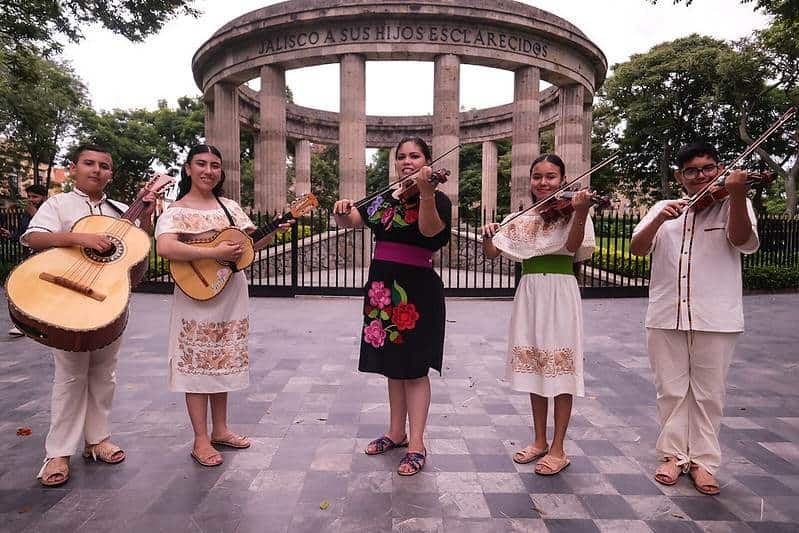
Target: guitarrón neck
x=135, y=210
x=269, y=227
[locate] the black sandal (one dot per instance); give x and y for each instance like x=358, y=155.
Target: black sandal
x=384, y=444
x=415, y=460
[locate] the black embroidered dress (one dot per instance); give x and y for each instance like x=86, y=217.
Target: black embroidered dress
x=404, y=314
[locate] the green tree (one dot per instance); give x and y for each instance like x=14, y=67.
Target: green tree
x=37, y=24
x=665, y=98
x=760, y=79
x=377, y=171
x=182, y=127
x=324, y=176
x=39, y=106
x=134, y=143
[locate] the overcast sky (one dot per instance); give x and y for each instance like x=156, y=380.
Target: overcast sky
x=120, y=74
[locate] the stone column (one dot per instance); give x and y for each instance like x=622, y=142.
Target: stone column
x=446, y=121
x=489, y=182
x=526, y=147
x=270, y=184
x=352, y=128
x=302, y=167
x=209, y=122
x=392, y=165
x=226, y=136
x=570, y=131
x=588, y=124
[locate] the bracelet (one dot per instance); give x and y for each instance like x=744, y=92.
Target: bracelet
x=427, y=197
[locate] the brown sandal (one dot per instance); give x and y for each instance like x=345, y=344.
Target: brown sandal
x=54, y=466
x=704, y=481
x=105, y=451
x=552, y=464
x=528, y=454
x=668, y=472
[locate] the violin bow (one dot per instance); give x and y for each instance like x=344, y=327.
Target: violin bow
x=388, y=187
x=746, y=153
x=565, y=186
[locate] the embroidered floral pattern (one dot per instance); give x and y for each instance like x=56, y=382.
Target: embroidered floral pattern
x=379, y=295
x=548, y=363
x=186, y=220
x=391, y=214
x=383, y=321
x=213, y=348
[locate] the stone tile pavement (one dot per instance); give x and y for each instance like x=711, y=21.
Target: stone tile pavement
x=310, y=414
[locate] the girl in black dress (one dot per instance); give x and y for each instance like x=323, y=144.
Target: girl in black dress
x=402, y=336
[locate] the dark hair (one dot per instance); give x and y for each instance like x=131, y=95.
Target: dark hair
x=696, y=149
x=418, y=141
x=549, y=158
x=184, y=185
x=86, y=147
x=36, y=189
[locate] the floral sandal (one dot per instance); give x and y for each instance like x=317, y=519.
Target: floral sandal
x=384, y=444
x=105, y=451
x=415, y=460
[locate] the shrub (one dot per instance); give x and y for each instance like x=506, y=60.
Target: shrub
x=771, y=277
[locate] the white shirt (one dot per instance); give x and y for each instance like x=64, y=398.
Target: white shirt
x=59, y=213
x=695, y=283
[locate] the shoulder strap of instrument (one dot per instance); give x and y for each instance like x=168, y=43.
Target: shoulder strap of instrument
x=227, y=213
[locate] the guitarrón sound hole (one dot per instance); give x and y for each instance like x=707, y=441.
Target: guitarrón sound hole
x=108, y=256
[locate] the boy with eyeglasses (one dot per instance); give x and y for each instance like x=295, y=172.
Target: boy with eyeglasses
x=695, y=312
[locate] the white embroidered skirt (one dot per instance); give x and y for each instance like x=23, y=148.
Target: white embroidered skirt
x=545, y=354
x=208, y=341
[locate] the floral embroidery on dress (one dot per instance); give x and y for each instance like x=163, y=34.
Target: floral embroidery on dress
x=391, y=214
x=548, y=363
x=527, y=229
x=213, y=348
x=387, y=314
x=187, y=220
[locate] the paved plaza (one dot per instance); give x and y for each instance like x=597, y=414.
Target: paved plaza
x=310, y=413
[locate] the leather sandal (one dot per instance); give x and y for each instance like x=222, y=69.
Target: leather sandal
x=704, y=481
x=384, y=444
x=550, y=465
x=232, y=440
x=105, y=451
x=668, y=472
x=528, y=454
x=54, y=472
x=415, y=460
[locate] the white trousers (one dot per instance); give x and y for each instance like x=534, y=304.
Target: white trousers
x=690, y=379
x=83, y=390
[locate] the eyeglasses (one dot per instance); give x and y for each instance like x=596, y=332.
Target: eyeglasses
x=707, y=170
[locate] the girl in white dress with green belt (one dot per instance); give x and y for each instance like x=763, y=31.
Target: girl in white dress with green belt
x=545, y=356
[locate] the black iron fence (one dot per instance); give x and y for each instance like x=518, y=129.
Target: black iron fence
x=317, y=257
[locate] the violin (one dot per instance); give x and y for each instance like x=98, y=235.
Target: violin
x=408, y=188
x=560, y=205
x=717, y=192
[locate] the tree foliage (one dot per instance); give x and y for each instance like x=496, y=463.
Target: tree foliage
x=139, y=140
x=37, y=24
x=40, y=101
